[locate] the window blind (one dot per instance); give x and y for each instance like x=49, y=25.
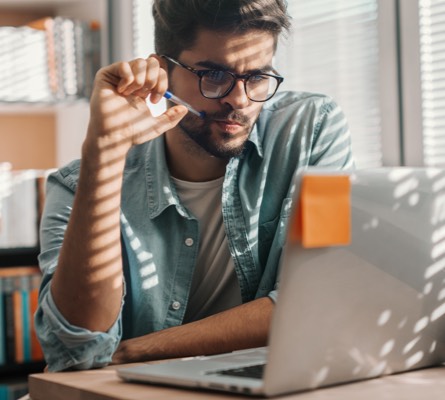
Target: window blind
x=143, y=27
x=432, y=50
x=333, y=49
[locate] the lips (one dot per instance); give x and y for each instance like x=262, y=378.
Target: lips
x=229, y=126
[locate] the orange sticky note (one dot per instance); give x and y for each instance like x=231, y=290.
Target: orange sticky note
x=323, y=217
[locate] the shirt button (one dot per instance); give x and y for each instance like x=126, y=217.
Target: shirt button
x=189, y=242
x=176, y=305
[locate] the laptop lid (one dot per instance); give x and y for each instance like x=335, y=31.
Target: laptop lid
x=374, y=306
x=358, y=303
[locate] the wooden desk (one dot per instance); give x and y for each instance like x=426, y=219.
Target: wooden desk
x=103, y=384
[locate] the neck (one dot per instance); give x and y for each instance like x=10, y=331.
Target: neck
x=189, y=162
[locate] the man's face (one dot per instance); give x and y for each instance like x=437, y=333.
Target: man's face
x=229, y=121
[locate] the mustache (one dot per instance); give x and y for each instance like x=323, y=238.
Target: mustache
x=232, y=115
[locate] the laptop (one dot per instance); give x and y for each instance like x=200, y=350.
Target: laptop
x=366, y=301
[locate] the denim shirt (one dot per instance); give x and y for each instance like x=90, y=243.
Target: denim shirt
x=160, y=237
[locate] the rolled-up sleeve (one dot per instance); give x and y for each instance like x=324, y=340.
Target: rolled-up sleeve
x=69, y=347
x=65, y=346
x=273, y=295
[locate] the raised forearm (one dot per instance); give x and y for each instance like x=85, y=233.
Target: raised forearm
x=241, y=327
x=87, y=285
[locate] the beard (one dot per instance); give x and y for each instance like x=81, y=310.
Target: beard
x=199, y=131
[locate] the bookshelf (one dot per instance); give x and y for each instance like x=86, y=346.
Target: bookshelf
x=17, y=256
x=40, y=135
x=21, y=201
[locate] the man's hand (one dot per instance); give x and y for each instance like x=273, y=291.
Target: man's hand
x=241, y=327
x=120, y=116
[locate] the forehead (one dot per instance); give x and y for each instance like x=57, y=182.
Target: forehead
x=238, y=51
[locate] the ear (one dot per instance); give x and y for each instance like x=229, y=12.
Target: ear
x=162, y=61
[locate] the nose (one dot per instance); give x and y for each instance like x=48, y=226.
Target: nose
x=237, y=97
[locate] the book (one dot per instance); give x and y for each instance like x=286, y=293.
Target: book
x=67, y=53
x=24, y=65
x=36, y=348
x=17, y=315
x=13, y=388
x=5, y=190
x=2, y=327
x=92, y=55
x=31, y=66
x=46, y=25
x=49, y=59
x=19, y=285
x=25, y=286
x=22, y=196
x=7, y=41
x=19, y=209
x=8, y=303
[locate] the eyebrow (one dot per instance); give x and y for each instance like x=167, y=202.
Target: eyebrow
x=222, y=67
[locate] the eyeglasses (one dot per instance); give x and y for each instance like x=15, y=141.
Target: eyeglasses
x=217, y=83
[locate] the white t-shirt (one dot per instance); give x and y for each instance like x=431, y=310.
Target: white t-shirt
x=215, y=286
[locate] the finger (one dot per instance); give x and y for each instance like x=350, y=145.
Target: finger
x=160, y=88
x=114, y=74
x=124, y=73
x=157, y=91
x=170, y=118
x=161, y=124
x=156, y=84
x=139, y=71
x=147, y=73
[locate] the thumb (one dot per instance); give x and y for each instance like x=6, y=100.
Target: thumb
x=161, y=124
x=169, y=119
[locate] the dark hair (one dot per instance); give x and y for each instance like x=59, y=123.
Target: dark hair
x=177, y=21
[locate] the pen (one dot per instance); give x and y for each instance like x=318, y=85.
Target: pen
x=174, y=99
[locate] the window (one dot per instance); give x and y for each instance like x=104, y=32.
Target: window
x=334, y=49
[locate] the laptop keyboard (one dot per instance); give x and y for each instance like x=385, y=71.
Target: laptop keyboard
x=252, y=371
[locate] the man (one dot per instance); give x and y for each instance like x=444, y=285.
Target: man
x=164, y=240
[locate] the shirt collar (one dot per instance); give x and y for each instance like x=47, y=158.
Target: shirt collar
x=161, y=190
x=255, y=139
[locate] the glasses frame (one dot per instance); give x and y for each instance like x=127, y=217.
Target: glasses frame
x=244, y=77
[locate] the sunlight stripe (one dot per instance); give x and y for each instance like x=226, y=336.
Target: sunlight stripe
x=332, y=160
x=320, y=148
x=435, y=268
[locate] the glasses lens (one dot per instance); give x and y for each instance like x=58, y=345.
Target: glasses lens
x=215, y=84
x=261, y=87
